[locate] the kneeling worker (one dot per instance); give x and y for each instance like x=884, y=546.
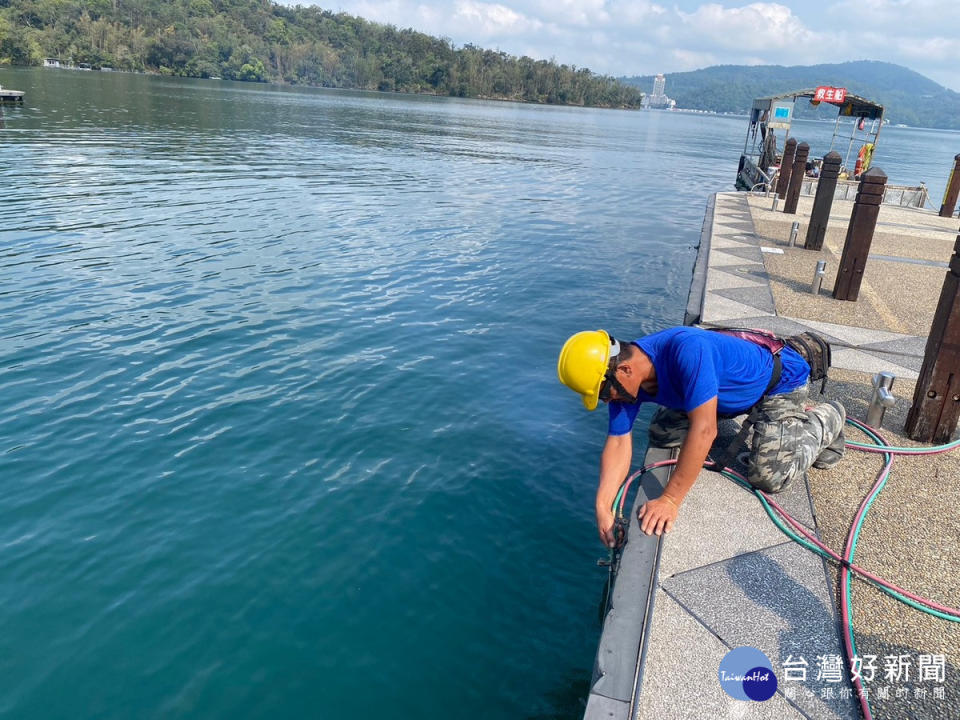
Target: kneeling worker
x=694, y=375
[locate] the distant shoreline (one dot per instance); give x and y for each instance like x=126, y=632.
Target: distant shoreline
x=270, y=83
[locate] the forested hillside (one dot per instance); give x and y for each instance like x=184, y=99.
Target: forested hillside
x=907, y=96
x=258, y=40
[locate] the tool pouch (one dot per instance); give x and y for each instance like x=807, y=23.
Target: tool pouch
x=816, y=351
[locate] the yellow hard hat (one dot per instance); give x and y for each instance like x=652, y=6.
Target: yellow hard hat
x=582, y=364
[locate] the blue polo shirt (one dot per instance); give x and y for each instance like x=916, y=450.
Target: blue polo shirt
x=694, y=365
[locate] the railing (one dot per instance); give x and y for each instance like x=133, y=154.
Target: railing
x=906, y=196
x=901, y=195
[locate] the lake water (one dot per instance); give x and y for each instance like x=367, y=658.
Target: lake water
x=281, y=434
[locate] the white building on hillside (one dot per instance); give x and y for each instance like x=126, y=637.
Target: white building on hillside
x=659, y=99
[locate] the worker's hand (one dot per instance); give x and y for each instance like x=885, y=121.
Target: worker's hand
x=606, y=528
x=657, y=516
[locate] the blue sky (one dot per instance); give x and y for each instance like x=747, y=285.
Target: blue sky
x=640, y=37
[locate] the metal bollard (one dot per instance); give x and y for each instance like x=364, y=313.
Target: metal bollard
x=882, y=398
x=794, y=231
x=776, y=202
x=818, y=277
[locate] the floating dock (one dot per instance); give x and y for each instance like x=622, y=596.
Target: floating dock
x=725, y=576
x=11, y=95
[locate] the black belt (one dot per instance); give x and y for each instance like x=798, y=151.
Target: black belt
x=774, y=376
x=774, y=381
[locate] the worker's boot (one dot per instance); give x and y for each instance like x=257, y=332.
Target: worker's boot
x=833, y=416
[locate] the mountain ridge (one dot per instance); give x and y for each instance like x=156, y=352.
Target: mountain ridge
x=908, y=97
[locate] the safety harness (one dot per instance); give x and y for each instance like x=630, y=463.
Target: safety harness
x=808, y=344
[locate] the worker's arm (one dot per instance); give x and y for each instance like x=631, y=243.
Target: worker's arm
x=658, y=515
x=614, y=466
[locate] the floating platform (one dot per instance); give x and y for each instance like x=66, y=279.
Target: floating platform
x=11, y=95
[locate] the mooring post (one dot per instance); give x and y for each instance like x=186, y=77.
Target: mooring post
x=818, y=277
x=936, y=399
x=856, y=247
x=823, y=202
x=952, y=192
x=786, y=166
x=797, y=175
x=794, y=231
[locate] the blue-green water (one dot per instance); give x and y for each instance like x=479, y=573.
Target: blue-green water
x=280, y=432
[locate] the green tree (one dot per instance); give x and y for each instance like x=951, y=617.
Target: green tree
x=252, y=71
x=19, y=47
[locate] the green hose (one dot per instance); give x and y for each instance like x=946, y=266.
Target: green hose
x=800, y=540
x=888, y=451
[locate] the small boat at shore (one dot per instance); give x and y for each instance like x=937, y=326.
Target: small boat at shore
x=10, y=95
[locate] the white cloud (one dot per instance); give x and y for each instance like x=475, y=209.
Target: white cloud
x=758, y=26
x=896, y=17
x=383, y=12
x=690, y=59
x=578, y=13
x=936, y=48
x=921, y=34
x=625, y=37
x=634, y=14
x=492, y=19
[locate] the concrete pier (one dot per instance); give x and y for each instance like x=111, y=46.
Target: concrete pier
x=726, y=576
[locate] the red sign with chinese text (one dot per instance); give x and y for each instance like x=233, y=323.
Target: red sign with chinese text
x=835, y=95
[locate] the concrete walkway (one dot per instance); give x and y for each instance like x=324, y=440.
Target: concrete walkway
x=726, y=576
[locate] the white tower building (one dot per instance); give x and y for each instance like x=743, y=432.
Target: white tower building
x=659, y=83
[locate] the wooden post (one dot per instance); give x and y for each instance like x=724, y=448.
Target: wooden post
x=786, y=165
x=953, y=190
x=797, y=175
x=823, y=202
x=936, y=399
x=856, y=247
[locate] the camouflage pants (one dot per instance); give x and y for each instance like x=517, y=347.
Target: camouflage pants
x=785, y=442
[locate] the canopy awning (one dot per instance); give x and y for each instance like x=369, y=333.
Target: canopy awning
x=852, y=105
